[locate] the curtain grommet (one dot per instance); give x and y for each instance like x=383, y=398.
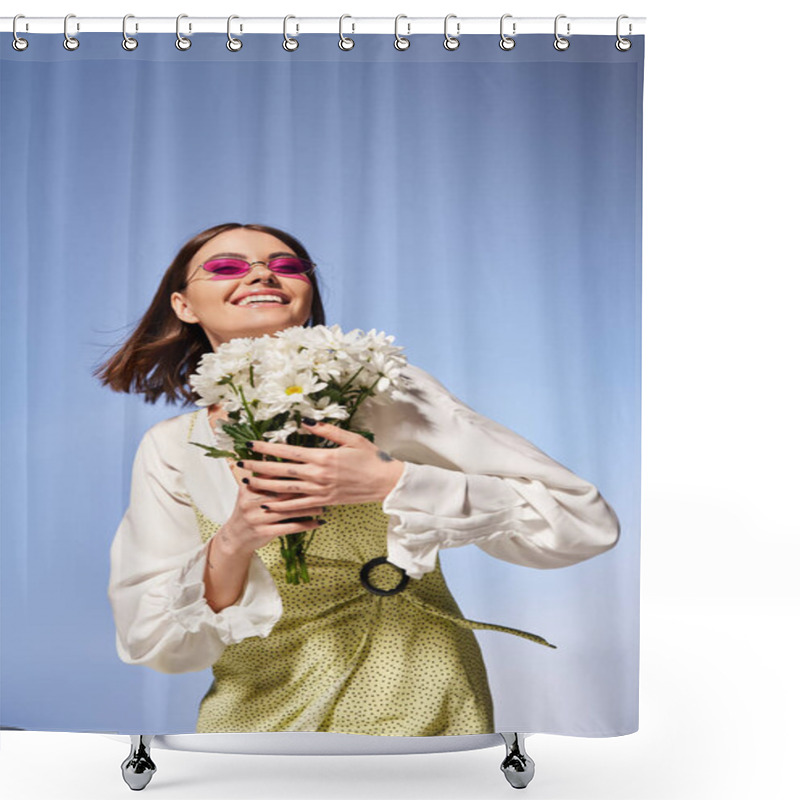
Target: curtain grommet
x=182, y=42
x=560, y=42
x=290, y=44
x=18, y=43
x=451, y=42
x=400, y=42
x=233, y=44
x=345, y=43
x=622, y=44
x=70, y=42
x=129, y=43
x=507, y=42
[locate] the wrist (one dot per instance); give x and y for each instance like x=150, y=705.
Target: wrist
x=394, y=471
x=227, y=547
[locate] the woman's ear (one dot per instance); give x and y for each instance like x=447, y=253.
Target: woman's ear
x=182, y=308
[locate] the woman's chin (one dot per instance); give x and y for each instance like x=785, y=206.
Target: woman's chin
x=254, y=332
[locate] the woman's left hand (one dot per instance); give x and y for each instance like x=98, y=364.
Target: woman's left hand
x=355, y=472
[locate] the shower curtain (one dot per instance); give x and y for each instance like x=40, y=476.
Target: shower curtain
x=481, y=205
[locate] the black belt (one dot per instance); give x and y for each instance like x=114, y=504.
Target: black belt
x=367, y=568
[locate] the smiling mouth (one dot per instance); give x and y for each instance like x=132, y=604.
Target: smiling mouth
x=259, y=303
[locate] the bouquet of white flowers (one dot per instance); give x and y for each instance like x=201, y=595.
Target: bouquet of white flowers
x=268, y=384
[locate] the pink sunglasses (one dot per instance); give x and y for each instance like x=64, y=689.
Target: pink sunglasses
x=227, y=267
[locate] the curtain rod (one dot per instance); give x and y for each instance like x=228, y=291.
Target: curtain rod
x=456, y=26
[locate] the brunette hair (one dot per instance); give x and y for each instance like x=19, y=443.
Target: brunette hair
x=160, y=355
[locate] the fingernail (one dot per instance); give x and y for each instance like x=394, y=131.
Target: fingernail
x=308, y=421
x=266, y=508
x=245, y=480
x=322, y=522
x=240, y=463
x=249, y=444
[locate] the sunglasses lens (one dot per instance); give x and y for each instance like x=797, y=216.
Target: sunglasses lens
x=289, y=266
x=226, y=267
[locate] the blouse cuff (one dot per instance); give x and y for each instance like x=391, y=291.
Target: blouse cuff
x=255, y=613
x=432, y=507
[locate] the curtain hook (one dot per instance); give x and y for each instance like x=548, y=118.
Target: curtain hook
x=400, y=42
x=506, y=42
x=560, y=43
x=451, y=42
x=182, y=43
x=344, y=42
x=70, y=42
x=623, y=44
x=289, y=43
x=18, y=43
x=128, y=42
x=233, y=44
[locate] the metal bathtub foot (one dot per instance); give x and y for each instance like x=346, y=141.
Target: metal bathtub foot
x=138, y=767
x=517, y=766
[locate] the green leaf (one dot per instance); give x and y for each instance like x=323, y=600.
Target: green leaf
x=241, y=432
x=215, y=452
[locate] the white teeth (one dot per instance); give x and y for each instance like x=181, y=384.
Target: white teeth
x=261, y=298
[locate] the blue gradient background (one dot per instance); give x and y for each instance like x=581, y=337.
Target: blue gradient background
x=483, y=206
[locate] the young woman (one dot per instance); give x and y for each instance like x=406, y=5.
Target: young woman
x=375, y=644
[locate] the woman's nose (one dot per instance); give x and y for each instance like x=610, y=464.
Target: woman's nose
x=259, y=268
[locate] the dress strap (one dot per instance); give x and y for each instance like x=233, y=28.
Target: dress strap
x=192, y=419
x=471, y=623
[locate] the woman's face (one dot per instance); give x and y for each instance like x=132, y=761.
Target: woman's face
x=215, y=304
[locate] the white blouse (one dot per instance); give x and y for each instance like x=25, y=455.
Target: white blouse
x=466, y=480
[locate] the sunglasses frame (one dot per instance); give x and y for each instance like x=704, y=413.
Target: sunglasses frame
x=251, y=264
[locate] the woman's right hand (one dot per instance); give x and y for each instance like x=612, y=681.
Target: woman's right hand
x=250, y=526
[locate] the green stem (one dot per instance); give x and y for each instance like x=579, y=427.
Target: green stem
x=246, y=407
x=351, y=378
x=364, y=396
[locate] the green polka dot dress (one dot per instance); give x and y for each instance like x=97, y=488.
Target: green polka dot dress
x=347, y=660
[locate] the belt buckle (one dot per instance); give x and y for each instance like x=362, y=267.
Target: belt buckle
x=365, y=570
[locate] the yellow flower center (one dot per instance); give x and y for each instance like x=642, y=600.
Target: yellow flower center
x=294, y=390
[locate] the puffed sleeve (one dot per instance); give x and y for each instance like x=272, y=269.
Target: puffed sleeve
x=468, y=479
x=156, y=586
